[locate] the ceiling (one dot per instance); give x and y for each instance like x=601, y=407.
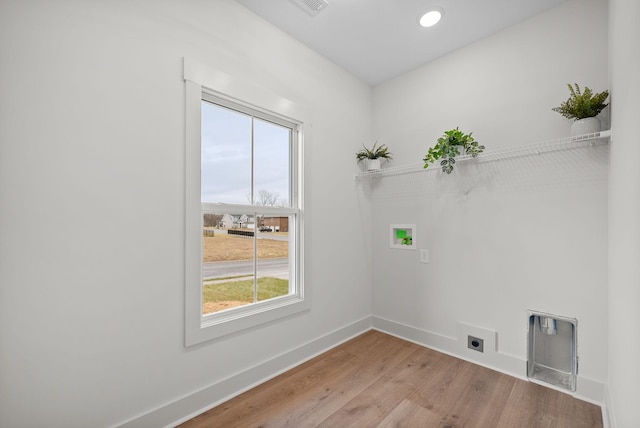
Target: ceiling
x=377, y=40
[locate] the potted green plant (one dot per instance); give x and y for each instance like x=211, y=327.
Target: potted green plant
x=449, y=146
x=373, y=156
x=583, y=107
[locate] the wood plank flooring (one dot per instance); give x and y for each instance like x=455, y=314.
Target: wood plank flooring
x=377, y=380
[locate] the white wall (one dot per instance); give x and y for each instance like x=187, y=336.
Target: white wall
x=624, y=211
x=501, y=88
x=503, y=237
x=91, y=204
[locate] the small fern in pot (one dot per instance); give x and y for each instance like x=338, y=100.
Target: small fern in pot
x=373, y=155
x=449, y=146
x=583, y=107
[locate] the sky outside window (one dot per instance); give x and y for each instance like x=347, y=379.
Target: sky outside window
x=226, y=156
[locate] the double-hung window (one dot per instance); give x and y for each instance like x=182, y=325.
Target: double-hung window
x=243, y=215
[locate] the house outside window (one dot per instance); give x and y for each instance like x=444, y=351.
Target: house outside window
x=276, y=224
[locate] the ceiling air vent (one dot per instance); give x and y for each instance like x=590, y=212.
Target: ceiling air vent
x=312, y=7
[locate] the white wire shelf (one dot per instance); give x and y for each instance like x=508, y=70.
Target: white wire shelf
x=568, y=143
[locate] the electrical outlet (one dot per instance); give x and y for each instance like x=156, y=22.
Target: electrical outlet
x=475, y=343
x=424, y=256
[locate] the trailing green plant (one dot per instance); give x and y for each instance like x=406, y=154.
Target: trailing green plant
x=448, y=147
x=581, y=105
x=374, y=152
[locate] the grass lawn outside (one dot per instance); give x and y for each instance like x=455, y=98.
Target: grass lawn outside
x=217, y=296
x=232, y=247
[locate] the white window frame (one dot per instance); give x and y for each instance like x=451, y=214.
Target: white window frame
x=201, y=82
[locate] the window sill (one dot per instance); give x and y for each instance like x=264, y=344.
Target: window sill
x=214, y=326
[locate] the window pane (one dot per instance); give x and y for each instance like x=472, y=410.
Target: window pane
x=272, y=148
x=227, y=261
x=226, y=155
x=245, y=161
x=273, y=257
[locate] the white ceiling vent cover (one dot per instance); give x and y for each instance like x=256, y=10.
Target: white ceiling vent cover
x=312, y=7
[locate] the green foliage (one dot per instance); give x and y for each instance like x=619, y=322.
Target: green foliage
x=374, y=152
x=242, y=291
x=581, y=105
x=448, y=147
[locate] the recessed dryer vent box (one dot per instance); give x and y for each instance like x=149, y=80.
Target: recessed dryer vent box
x=403, y=236
x=552, y=350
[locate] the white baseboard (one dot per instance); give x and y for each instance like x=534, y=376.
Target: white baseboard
x=191, y=405
x=608, y=416
x=588, y=389
x=187, y=407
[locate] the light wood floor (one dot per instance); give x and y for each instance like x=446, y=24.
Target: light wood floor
x=377, y=380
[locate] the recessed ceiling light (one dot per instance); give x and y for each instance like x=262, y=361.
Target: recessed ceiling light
x=431, y=18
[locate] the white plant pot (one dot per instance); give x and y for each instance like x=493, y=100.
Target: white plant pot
x=373, y=164
x=585, y=126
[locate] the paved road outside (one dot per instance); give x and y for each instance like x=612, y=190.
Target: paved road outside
x=275, y=268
